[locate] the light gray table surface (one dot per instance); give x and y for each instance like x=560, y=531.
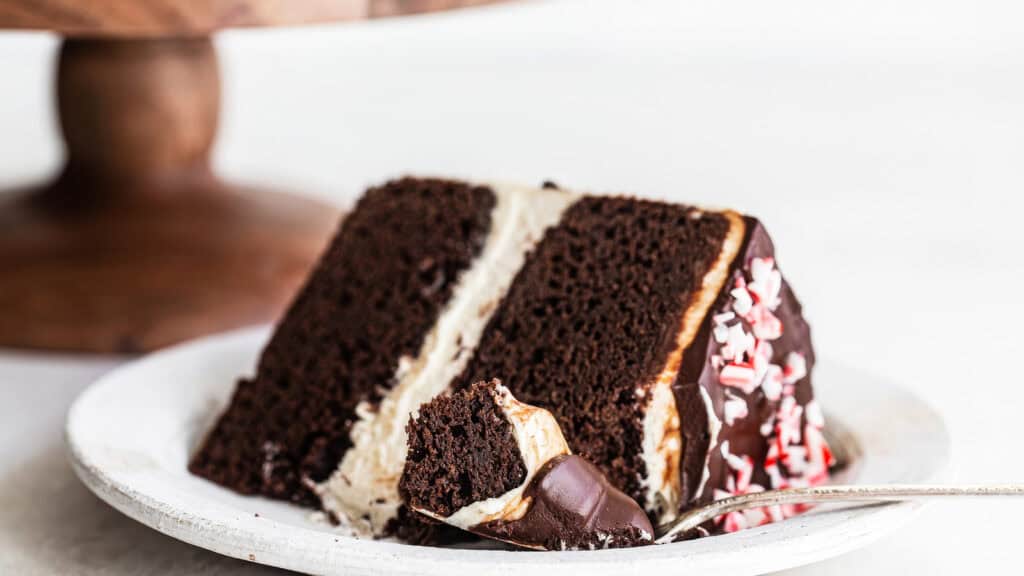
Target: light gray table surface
x=881, y=142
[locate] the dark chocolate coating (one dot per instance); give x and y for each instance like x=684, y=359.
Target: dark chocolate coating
x=572, y=507
x=697, y=371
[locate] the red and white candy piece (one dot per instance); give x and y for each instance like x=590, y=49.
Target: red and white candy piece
x=772, y=383
x=738, y=376
x=771, y=467
x=795, y=369
x=742, y=302
x=723, y=318
x=764, y=324
x=767, y=282
x=787, y=422
x=738, y=343
x=735, y=408
x=814, y=415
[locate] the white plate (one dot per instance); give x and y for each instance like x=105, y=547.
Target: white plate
x=130, y=435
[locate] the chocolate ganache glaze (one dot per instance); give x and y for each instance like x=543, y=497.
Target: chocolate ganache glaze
x=731, y=447
x=573, y=507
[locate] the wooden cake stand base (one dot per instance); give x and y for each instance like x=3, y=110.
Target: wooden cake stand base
x=137, y=244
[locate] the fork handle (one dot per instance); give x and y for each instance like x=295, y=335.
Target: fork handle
x=838, y=493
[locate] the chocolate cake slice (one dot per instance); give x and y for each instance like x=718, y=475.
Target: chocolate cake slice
x=661, y=337
x=484, y=462
x=371, y=302
x=389, y=316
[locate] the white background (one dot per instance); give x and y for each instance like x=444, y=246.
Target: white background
x=881, y=142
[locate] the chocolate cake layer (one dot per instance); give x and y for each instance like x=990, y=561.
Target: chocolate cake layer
x=592, y=318
x=461, y=450
x=372, y=298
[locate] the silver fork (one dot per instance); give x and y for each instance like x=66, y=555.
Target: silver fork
x=690, y=520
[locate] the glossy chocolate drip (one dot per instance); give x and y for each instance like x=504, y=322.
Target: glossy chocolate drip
x=744, y=436
x=572, y=506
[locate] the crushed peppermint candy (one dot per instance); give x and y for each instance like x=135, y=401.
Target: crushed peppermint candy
x=798, y=454
x=766, y=326
x=738, y=376
x=814, y=415
x=738, y=343
x=735, y=408
x=795, y=369
x=753, y=304
x=721, y=333
x=772, y=383
x=787, y=421
x=740, y=482
x=742, y=301
x=767, y=282
x=723, y=317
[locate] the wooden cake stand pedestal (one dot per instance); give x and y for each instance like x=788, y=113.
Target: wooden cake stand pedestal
x=137, y=244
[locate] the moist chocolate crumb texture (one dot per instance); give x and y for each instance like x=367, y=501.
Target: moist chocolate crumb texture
x=486, y=463
x=661, y=337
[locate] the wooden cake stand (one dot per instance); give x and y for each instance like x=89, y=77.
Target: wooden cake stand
x=137, y=244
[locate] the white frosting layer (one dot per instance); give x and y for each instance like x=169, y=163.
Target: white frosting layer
x=363, y=491
x=539, y=438
x=662, y=443
x=662, y=450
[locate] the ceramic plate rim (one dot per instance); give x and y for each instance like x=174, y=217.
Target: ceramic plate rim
x=236, y=533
